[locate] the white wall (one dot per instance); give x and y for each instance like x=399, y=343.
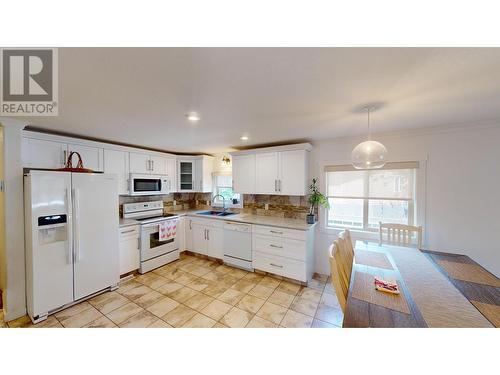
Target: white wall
x=219, y=166
x=3, y=257
x=462, y=181
x=14, y=297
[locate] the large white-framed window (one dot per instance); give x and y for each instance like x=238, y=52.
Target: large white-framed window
x=360, y=199
x=223, y=185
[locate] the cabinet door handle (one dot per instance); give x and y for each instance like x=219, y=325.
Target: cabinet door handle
x=276, y=246
x=152, y=165
x=64, y=156
x=205, y=234
x=139, y=243
x=190, y=222
x=275, y=185
x=279, y=186
x=275, y=265
x=208, y=234
x=128, y=231
x=275, y=232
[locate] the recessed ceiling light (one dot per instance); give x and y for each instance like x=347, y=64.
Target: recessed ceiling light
x=244, y=138
x=193, y=117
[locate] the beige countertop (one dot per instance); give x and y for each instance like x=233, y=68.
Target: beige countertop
x=272, y=221
x=127, y=222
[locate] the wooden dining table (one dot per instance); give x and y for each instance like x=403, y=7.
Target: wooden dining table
x=427, y=298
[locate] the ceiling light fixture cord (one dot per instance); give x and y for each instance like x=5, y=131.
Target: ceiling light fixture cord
x=369, y=134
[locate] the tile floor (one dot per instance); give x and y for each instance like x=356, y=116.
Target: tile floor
x=200, y=293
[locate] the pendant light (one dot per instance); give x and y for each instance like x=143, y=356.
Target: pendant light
x=369, y=154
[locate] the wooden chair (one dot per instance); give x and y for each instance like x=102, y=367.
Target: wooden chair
x=346, y=252
x=336, y=270
x=400, y=235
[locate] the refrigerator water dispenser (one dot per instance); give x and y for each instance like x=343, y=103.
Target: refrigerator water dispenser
x=52, y=228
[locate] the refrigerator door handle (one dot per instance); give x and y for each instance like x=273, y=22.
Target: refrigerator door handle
x=69, y=253
x=76, y=230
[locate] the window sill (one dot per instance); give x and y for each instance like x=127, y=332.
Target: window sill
x=356, y=233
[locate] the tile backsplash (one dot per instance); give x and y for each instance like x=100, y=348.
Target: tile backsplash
x=285, y=206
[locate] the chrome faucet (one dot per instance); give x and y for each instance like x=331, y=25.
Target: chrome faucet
x=223, y=201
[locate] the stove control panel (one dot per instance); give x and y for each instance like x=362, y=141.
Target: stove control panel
x=142, y=206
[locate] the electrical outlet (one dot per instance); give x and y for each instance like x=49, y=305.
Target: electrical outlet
x=266, y=207
x=175, y=203
x=208, y=203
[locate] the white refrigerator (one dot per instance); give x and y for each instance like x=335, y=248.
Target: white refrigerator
x=71, y=225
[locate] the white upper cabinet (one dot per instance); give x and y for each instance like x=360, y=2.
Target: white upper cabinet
x=38, y=153
x=266, y=172
x=92, y=157
x=158, y=165
x=148, y=164
x=292, y=172
x=273, y=170
x=198, y=176
x=186, y=173
x=140, y=163
x=203, y=174
x=117, y=162
x=171, y=168
x=194, y=174
x=244, y=174
x=52, y=154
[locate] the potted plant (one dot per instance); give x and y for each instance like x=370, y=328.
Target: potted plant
x=316, y=199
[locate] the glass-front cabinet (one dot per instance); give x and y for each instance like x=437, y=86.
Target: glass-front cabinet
x=186, y=175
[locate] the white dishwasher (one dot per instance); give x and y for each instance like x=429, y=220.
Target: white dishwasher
x=238, y=245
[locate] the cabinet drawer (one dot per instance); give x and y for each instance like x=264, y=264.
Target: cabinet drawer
x=284, y=247
x=279, y=232
x=291, y=268
x=130, y=231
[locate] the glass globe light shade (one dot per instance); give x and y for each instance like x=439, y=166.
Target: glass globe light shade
x=369, y=155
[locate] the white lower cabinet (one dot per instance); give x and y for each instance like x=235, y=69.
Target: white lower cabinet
x=200, y=243
x=206, y=237
x=215, y=242
x=129, y=249
x=181, y=233
x=280, y=266
x=188, y=234
x=282, y=251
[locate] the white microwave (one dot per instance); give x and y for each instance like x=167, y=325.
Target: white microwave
x=148, y=184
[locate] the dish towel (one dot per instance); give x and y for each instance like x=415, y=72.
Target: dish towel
x=167, y=230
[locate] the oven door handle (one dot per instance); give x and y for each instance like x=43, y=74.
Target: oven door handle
x=156, y=224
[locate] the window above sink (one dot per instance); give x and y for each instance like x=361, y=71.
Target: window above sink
x=223, y=185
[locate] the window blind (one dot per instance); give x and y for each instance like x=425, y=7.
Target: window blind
x=393, y=165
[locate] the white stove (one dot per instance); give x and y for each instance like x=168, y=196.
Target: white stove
x=154, y=252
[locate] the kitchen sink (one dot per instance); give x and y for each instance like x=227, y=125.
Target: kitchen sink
x=216, y=213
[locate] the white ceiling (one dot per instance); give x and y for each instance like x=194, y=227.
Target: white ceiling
x=141, y=95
